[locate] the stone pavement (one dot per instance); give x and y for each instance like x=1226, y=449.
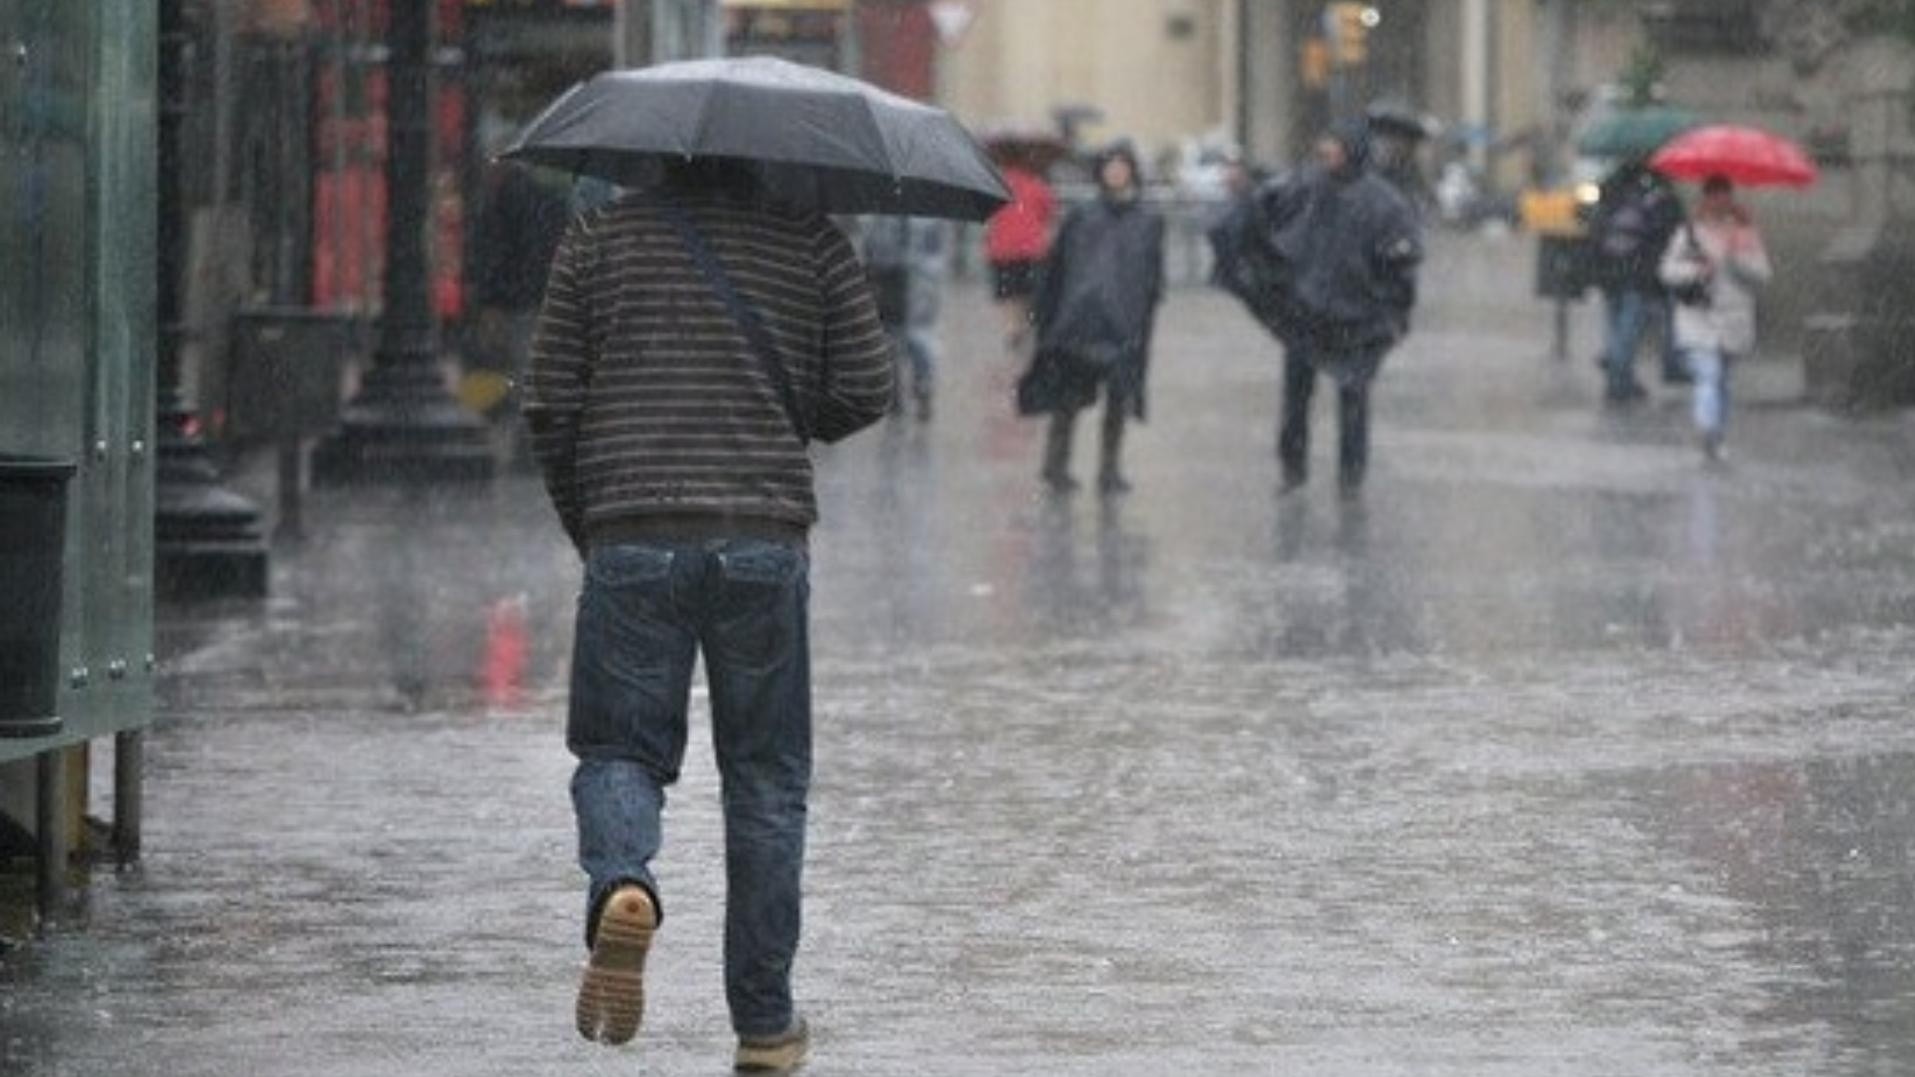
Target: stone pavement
x=1556, y=754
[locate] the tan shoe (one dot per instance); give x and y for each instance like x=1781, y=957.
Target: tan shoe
x=611, y=996
x=782, y=1053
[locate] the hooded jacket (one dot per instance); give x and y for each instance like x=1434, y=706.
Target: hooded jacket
x=1097, y=306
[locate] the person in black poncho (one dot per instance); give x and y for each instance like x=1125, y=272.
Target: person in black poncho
x=1095, y=312
x=1348, y=244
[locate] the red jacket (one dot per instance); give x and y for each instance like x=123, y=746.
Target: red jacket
x=1021, y=231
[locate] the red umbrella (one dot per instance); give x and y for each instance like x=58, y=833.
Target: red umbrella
x=1748, y=156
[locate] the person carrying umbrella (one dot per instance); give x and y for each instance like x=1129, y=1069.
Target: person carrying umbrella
x=1712, y=267
x=1399, y=136
x=1095, y=313
x=697, y=334
x=684, y=482
x=1016, y=242
x=1715, y=266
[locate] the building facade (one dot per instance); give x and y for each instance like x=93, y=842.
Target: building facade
x=1156, y=71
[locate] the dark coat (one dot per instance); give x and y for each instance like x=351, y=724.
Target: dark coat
x=1096, y=309
x=1352, y=244
x=1635, y=218
x=520, y=225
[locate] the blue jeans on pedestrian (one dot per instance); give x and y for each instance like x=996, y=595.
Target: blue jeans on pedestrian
x=645, y=614
x=1674, y=369
x=1710, y=369
x=1627, y=312
x=919, y=347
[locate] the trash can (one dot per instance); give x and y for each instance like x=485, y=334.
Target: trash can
x=32, y=549
x=1563, y=268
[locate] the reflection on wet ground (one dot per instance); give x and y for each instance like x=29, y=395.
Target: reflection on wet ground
x=1553, y=754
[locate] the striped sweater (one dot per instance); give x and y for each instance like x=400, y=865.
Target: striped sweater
x=648, y=406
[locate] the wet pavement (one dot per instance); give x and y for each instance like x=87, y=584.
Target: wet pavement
x=1556, y=754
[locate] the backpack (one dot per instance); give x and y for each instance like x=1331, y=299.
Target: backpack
x=1623, y=232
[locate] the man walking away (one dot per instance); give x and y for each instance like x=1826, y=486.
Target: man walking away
x=1351, y=244
x=1095, y=314
x=691, y=342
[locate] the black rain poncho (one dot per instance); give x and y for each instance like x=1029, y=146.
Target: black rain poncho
x=1096, y=309
x=1327, y=260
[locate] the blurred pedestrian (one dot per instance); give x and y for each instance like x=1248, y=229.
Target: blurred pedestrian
x=1398, y=137
x=1017, y=239
x=1351, y=244
x=692, y=342
x=1636, y=214
x=1095, y=313
x=906, y=259
x=521, y=219
x=1713, y=266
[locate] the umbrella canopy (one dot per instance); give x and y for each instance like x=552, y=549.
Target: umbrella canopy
x=1028, y=147
x=1395, y=119
x=1636, y=132
x=814, y=139
x=1748, y=156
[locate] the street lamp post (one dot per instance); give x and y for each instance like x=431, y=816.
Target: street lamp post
x=656, y=31
x=403, y=424
x=206, y=539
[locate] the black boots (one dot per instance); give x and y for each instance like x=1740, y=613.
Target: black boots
x=1057, y=453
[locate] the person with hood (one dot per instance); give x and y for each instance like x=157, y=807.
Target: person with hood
x=1348, y=244
x=1712, y=268
x=1095, y=312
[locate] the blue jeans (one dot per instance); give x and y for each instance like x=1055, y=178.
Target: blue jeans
x=645, y=613
x=1627, y=312
x=1710, y=369
x=919, y=347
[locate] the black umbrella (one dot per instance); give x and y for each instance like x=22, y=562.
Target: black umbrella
x=813, y=138
x=1394, y=119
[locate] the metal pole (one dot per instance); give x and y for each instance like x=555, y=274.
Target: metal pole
x=292, y=487
x=632, y=26
x=1241, y=74
x=404, y=426
x=51, y=825
x=408, y=333
x=206, y=538
x=129, y=796
x=1476, y=75
x=1554, y=60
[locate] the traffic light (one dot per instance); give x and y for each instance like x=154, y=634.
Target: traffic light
x=1349, y=26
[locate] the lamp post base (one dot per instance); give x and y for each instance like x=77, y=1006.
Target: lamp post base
x=404, y=427
x=207, y=540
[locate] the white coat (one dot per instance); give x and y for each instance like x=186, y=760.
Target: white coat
x=1730, y=258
